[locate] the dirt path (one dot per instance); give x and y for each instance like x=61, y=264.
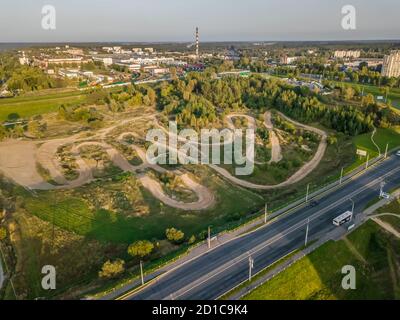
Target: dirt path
x=18, y=161
x=276, y=151
x=387, y=226
x=373, y=141
x=298, y=176
x=354, y=250
x=205, y=197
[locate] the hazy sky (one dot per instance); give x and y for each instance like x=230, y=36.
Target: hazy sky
x=218, y=20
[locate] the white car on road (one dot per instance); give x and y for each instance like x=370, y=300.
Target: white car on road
x=398, y=153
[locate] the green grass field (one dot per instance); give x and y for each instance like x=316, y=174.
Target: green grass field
x=70, y=212
x=27, y=106
x=318, y=276
x=382, y=137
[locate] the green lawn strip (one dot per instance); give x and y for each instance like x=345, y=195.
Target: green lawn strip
x=381, y=138
x=259, y=275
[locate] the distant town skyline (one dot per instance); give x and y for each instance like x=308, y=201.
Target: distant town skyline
x=175, y=20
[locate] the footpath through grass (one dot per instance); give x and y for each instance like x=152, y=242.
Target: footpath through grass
x=374, y=254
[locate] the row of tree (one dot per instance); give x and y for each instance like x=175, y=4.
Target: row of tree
x=19, y=77
x=140, y=249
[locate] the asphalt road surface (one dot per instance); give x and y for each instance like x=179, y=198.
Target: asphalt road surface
x=215, y=273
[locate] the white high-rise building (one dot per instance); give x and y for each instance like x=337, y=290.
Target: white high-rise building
x=391, y=65
x=347, y=54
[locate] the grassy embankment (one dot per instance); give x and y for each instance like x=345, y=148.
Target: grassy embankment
x=381, y=138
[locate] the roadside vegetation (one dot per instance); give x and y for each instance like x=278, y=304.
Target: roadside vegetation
x=372, y=251
x=107, y=226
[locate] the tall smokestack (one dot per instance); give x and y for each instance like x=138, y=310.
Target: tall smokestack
x=197, y=42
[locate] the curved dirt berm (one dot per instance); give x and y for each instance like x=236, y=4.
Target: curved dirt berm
x=298, y=176
x=276, y=150
x=205, y=197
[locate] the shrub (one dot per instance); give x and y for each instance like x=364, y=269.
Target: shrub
x=140, y=249
x=174, y=235
x=112, y=269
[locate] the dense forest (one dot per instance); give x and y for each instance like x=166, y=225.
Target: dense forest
x=198, y=100
x=23, y=77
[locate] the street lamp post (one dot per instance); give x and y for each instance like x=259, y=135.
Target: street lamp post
x=352, y=208
x=382, y=186
x=341, y=176
x=266, y=213
x=308, y=190
x=141, y=272
x=367, y=163
x=308, y=227
x=209, y=238
x=251, y=266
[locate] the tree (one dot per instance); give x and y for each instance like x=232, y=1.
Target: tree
x=112, y=269
x=36, y=129
x=140, y=249
x=3, y=132
x=192, y=239
x=3, y=233
x=152, y=95
x=173, y=73
x=174, y=235
x=18, y=131
x=332, y=140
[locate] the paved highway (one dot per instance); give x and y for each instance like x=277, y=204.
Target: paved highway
x=213, y=274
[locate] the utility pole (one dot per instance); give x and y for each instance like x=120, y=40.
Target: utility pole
x=141, y=272
x=387, y=149
x=209, y=238
x=382, y=186
x=251, y=266
x=341, y=176
x=266, y=213
x=308, y=227
x=352, y=208
x=367, y=163
x=308, y=190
